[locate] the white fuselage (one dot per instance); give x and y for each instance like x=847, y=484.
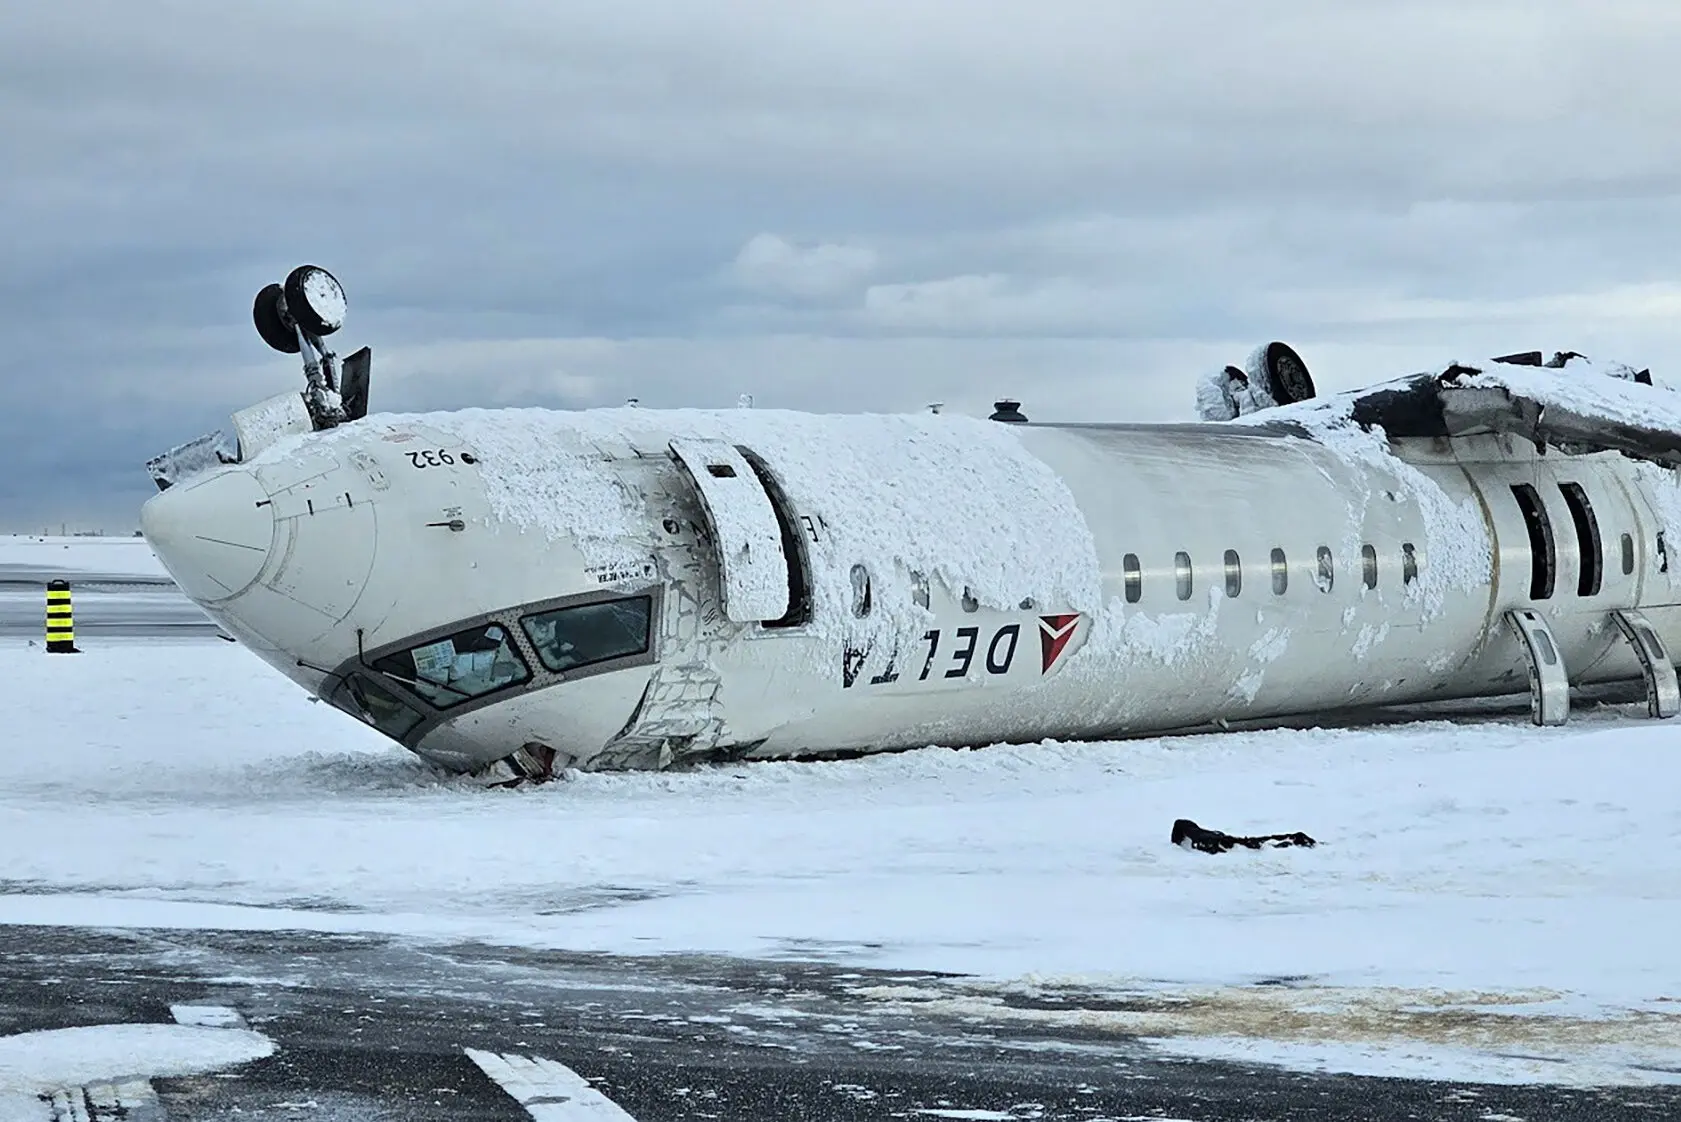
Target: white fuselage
x=474, y=583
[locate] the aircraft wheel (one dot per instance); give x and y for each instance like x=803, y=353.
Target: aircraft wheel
x=315, y=299
x=271, y=325
x=1283, y=373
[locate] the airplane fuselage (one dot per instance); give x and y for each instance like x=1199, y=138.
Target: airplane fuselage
x=631, y=588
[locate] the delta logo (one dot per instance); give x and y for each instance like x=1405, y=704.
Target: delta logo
x=1054, y=634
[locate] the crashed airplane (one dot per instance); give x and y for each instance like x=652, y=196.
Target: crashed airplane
x=511, y=592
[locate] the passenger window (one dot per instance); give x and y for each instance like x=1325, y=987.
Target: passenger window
x=1326, y=574
x=1628, y=554
x=1409, y=563
x=567, y=638
x=1368, y=566
x=919, y=589
x=1134, y=576
x=1234, y=575
x=458, y=667
x=860, y=591
x=1182, y=574
x=1280, y=573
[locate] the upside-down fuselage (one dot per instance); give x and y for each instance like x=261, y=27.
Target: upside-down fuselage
x=628, y=588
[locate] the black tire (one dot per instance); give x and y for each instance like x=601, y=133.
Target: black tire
x=271, y=325
x=315, y=317
x=1287, y=378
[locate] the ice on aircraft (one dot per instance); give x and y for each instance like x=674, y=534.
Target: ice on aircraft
x=514, y=591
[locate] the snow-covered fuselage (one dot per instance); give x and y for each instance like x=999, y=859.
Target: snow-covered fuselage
x=634, y=587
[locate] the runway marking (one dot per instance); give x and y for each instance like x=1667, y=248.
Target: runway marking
x=106, y=1102
x=208, y=1016
x=98, y=1073
x=549, y=1091
x=57, y=1060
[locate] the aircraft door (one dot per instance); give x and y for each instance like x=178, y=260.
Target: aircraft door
x=1567, y=534
x=746, y=534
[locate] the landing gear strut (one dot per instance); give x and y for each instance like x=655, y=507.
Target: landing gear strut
x=294, y=318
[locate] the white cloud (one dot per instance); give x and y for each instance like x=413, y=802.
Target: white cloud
x=773, y=266
x=952, y=303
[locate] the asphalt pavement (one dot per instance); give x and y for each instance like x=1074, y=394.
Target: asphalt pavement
x=374, y=1027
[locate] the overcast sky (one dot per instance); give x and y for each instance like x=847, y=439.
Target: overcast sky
x=848, y=205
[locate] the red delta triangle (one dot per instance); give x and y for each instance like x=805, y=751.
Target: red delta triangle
x=1054, y=633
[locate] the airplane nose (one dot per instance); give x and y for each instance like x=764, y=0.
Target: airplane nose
x=212, y=534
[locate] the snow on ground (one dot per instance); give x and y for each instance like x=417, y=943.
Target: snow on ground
x=1483, y=891
x=106, y=556
x=43, y=1061
x=41, y=1070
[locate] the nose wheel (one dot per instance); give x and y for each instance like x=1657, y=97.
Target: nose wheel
x=315, y=299
x=270, y=316
x=295, y=317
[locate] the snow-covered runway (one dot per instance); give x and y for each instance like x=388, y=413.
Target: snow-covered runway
x=1490, y=901
x=119, y=589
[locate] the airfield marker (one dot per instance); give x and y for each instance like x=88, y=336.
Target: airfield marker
x=61, y=626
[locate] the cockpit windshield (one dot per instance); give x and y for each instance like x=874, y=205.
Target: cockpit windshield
x=362, y=697
x=458, y=667
x=584, y=634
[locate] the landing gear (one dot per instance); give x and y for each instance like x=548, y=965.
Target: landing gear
x=315, y=299
x=294, y=318
x=1549, y=682
x=1663, y=693
x=271, y=321
x=1278, y=369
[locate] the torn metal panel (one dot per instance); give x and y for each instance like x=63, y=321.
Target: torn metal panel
x=1475, y=408
x=187, y=460
x=1463, y=401
x=1412, y=407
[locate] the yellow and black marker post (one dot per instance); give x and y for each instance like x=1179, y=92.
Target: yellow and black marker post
x=61, y=626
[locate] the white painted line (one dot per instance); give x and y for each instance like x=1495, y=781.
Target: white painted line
x=207, y=1016
x=549, y=1091
x=121, y=1099
x=106, y=1102
x=70, y=1105
x=71, y=1075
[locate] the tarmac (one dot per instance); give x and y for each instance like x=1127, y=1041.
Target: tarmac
x=375, y=1027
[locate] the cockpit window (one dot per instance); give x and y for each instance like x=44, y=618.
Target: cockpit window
x=567, y=638
x=364, y=698
x=458, y=667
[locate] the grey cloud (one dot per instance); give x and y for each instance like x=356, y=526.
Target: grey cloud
x=772, y=266
x=870, y=203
